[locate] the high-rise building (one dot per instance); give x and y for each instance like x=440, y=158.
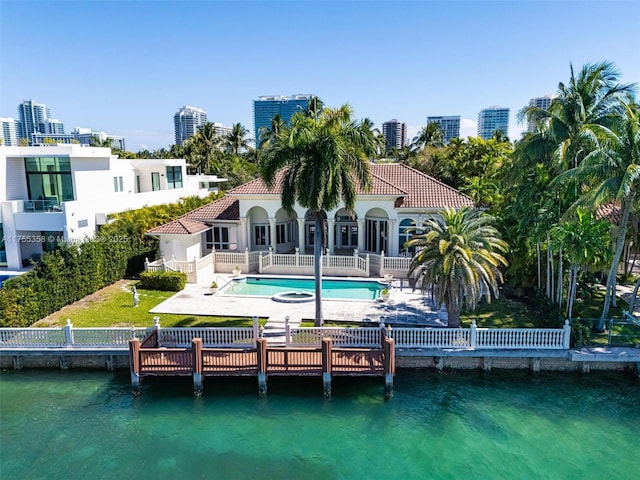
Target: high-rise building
x=395, y=133
x=542, y=103
x=52, y=126
x=31, y=115
x=491, y=120
x=9, y=128
x=187, y=121
x=86, y=136
x=267, y=107
x=450, y=126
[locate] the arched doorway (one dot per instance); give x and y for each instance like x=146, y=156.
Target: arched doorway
x=376, y=231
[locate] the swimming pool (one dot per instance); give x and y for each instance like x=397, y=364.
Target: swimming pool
x=336, y=289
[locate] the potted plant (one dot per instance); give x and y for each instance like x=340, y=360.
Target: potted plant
x=384, y=294
x=213, y=288
x=236, y=271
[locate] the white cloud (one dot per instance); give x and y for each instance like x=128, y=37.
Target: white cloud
x=468, y=128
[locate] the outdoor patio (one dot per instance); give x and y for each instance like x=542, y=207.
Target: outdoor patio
x=404, y=307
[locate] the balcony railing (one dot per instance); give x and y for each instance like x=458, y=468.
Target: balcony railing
x=50, y=205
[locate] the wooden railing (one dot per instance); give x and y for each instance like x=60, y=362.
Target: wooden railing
x=229, y=361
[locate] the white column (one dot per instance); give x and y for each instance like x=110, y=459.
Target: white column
x=243, y=241
x=331, y=225
x=272, y=230
x=361, y=235
x=392, y=248
x=248, y=234
x=301, y=235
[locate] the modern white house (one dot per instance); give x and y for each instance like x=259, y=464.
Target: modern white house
x=250, y=220
x=65, y=192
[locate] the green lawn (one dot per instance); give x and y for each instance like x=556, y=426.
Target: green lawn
x=113, y=307
x=500, y=313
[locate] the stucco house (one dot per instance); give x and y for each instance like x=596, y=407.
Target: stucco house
x=60, y=193
x=250, y=219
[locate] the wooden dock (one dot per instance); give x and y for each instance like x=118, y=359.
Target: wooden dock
x=148, y=358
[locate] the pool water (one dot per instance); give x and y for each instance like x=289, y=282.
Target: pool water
x=331, y=288
x=438, y=425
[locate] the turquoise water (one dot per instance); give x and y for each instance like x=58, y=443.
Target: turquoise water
x=331, y=289
x=471, y=425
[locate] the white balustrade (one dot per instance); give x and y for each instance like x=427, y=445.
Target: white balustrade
x=115, y=338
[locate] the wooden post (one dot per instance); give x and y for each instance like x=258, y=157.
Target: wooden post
x=134, y=364
x=262, y=366
x=196, y=350
x=389, y=365
x=327, y=366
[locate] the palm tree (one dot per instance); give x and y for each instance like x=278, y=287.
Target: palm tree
x=586, y=243
x=611, y=171
x=593, y=97
x=202, y=149
x=236, y=138
x=323, y=159
x=458, y=255
x=268, y=135
x=431, y=135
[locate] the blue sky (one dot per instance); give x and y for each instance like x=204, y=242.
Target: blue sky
x=126, y=67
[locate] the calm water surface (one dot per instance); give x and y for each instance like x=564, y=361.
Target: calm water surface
x=471, y=425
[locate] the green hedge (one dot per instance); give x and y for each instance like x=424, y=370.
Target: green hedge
x=167, y=281
x=61, y=277
x=71, y=272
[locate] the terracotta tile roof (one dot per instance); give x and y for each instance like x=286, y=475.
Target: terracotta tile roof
x=181, y=226
x=412, y=189
x=418, y=189
x=422, y=190
x=379, y=186
x=225, y=208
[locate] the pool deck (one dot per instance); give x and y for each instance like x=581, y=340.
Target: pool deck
x=404, y=307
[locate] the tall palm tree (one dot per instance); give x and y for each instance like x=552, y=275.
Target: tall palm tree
x=431, y=135
x=611, y=172
x=593, y=97
x=458, y=256
x=586, y=243
x=268, y=135
x=236, y=138
x=323, y=159
x=203, y=148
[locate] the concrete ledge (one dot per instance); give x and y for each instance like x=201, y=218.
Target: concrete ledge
x=67, y=352
x=606, y=354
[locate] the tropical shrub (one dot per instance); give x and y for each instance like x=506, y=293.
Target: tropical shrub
x=167, y=281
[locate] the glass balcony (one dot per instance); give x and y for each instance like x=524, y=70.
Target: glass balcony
x=50, y=205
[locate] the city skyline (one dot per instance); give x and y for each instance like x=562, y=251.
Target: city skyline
x=141, y=76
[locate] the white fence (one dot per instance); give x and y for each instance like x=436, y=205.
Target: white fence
x=483, y=338
x=370, y=337
x=68, y=336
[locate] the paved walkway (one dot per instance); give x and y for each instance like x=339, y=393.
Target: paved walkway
x=404, y=307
